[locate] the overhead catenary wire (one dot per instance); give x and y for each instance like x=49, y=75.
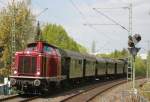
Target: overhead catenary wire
x=85, y=19
x=110, y=8
x=78, y=10
x=41, y=12
x=96, y=24
x=102, y=47
x=98, y=11
x=100, y=32
x=87, y=22
x=103, y=24
x=114, y=8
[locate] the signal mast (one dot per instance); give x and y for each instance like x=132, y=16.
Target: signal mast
x=132, y=42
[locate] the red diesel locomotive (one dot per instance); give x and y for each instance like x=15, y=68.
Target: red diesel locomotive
x=41, y=67
x=37, y=65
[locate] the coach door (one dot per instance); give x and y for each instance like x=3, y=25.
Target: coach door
x=116, y=68
x=66, y=66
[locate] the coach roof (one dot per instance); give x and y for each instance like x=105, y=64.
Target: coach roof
x=110, y=60
x=72, y=54
x=100, y=59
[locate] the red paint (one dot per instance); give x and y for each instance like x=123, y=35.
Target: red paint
x=53, y=60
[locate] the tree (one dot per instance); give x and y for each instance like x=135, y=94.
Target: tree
x=116, y=54
x=56, y=35
x=148, y=62
x=140, y=67
x=140, y=64
x=24, y=24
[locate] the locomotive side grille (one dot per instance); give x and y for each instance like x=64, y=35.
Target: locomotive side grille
x=27, y=64
x=44, y=66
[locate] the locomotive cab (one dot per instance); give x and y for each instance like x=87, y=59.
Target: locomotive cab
x=37, y=65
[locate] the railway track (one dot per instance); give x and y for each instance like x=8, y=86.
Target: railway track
x=8, y=98
x=84, y=94
x=90, y=93
x=93, y=91
x=18, y=98
x=67, y=95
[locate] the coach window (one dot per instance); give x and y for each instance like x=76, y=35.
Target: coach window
x=80, y=62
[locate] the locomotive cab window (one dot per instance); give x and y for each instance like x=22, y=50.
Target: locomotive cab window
x=47, y=49
x=31, y=47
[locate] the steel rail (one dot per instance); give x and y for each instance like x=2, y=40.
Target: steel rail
x=92, y=88
x=8, y=98
x=105, y=87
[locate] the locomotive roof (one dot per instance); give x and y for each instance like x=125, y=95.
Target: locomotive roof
x=45, y=43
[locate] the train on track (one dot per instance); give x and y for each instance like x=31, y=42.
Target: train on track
x=41, y=67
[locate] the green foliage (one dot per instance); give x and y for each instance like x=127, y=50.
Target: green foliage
x=116, y=54
x=140, y=66
x=24, y=26
x=4, y=72
x=145, y=87
x=148, y=59
x=82, y=49
x=56, y=35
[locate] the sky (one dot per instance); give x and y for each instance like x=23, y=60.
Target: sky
x=85, y=25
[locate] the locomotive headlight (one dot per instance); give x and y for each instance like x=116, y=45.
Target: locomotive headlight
x=37, y=73
x=37, y=82
x=15, y=72
x=28, y=52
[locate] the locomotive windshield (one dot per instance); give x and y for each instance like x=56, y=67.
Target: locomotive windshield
x=31, y=47
x=47, y=49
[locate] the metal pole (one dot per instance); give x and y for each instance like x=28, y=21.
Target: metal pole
x=132, y=58
x=147, y=68
x=130, y=70
x=130, y=18
x=133, y=67
x=148, y=59
x=13, y=35
x=130, y=33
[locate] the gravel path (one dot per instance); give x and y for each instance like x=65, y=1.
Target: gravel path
x=117, y=94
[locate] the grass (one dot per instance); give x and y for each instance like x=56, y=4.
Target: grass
x=145, y=90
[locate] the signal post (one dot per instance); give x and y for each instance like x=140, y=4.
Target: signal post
x=132, y=42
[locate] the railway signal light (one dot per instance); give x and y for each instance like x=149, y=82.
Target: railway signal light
x=132, y=41
x=136, y=38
